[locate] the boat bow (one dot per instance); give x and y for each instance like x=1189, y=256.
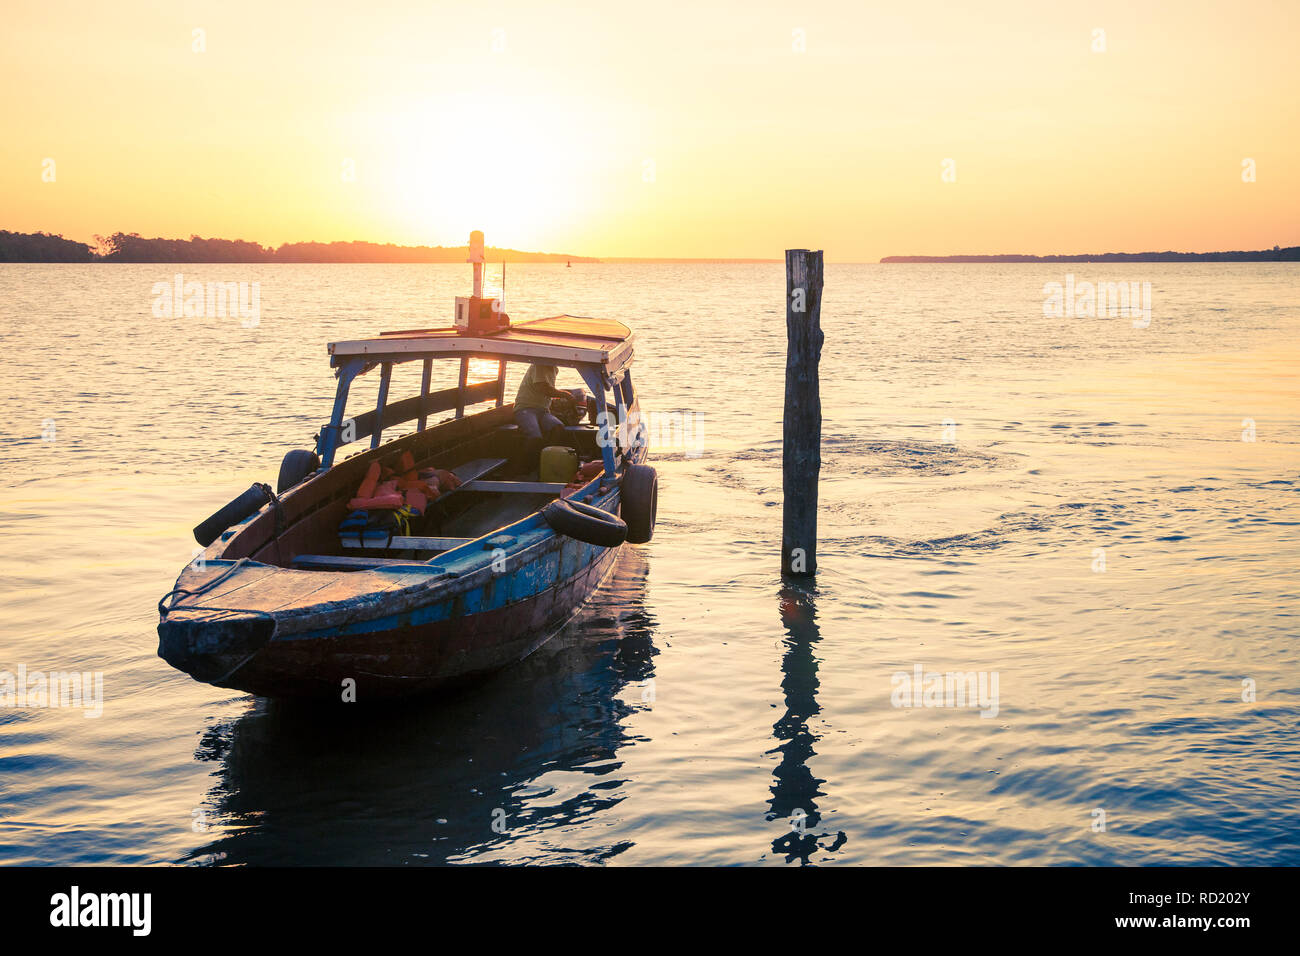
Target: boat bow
x=210, y=644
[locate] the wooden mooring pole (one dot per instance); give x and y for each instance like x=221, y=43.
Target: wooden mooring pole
x=802, y=455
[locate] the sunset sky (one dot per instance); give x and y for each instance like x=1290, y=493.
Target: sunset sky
x=658, y=129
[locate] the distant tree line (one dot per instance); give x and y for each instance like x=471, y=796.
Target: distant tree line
x=41, y=247
x=1276, y=254
x=124, y=247
x=132, y=247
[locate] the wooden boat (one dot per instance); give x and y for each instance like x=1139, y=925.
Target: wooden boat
x=281, y=604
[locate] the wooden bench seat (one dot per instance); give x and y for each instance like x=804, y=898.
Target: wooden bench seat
x=518, y=487
x=400, y=542
x=475, y=469
x=334, y=562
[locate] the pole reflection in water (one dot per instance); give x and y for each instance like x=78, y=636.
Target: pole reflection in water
x=795, y=790
x=442, y=779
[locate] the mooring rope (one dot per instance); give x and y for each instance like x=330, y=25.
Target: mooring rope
x=164, y=610
x=278, y=509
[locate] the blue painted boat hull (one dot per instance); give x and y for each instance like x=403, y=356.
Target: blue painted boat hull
x=394, y=645
x=402, y=657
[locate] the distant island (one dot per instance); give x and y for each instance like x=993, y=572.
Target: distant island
x=1276, y=254
x=131, y=247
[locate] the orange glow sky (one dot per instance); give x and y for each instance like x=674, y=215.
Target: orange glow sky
x=755, y=147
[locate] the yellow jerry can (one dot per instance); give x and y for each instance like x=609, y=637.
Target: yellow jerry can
x=559, y=463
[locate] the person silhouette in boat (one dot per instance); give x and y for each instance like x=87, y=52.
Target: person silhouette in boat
x=533, y=405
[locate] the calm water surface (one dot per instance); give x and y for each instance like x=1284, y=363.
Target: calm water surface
x=695, y=708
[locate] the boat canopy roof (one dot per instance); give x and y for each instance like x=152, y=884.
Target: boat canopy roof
x=568, y=340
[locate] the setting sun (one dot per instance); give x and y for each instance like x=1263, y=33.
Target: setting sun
x=510, y=164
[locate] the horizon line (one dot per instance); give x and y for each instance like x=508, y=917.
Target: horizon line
x=912, y=258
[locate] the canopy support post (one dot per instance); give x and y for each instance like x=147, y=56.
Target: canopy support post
x=385, y=375
x=606, y=439
x=327, y=445
x=460, y=387
x=425, y=379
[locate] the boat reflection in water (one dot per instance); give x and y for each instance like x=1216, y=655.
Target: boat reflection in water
x=795, y=790
x=442, y=779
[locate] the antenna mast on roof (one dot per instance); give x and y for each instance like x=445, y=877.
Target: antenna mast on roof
x=475, y=315
x=476, y=256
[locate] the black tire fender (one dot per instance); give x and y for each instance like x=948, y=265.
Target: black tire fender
x=246, y=504
x=584, y=522
x=640, y=502
x=296, y=466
